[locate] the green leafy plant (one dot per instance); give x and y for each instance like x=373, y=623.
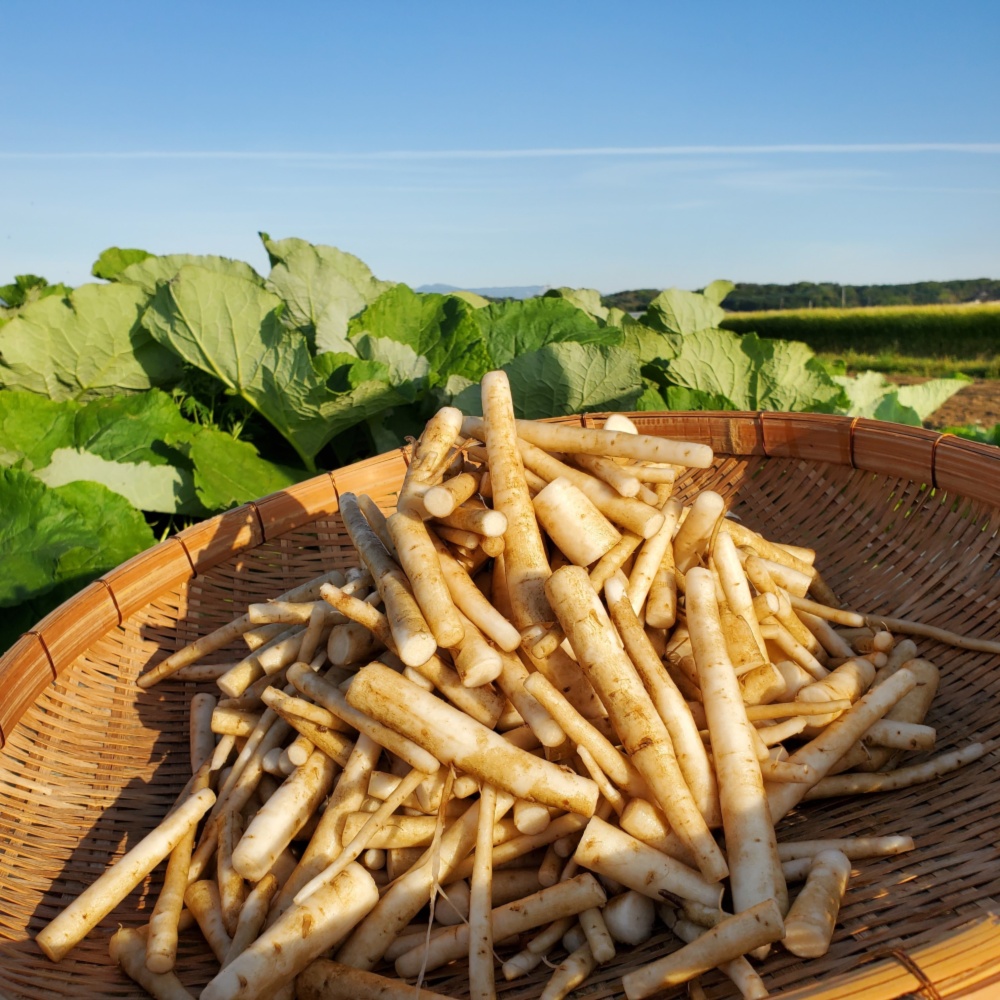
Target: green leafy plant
x=182, y=385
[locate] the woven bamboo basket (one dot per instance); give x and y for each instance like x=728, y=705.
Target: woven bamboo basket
x=907, y=524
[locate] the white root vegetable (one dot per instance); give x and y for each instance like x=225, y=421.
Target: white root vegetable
x=224, y=635
x=442, y=499
x=418, y=558
x=526, y=562
x=751, y=847
x=334, y=700
x=369, y=941
x=811, y=920
x=756, y=927
x=737, y=592
x=738, y=970
x=327, y=840
x=695, y=533
x=232, y=888
x=786, y=729
x=560, y=900
x=414, y=640
x=901, y=735
x=630, y=513
x=73, y=924
x=902, y=777
x=202, y=739
x=532, y=954
x=531, y=817
x=202, y=899
x=476, y=661
x=429, y=458
x=569, y=973
x=301, y=934
x=581, y=532
x=481, y=978
x=609, y=851
x=482, y=704
x=328, y=980
x=282, y=816
x=854, y=848
x=252, y=916
x=845, y=683
x=823, y=752
x=629, y=917
x=512, y=850
x=911, y=708
x=643, y=733
x=602, y=945
x=650, y=560
x=454, y=738
x=323, y=733
x=471, y=602
x=276, y=653
x=128, y=950
x=616, y=476
x=362, y=838
x=584, y=733
x=565, y=674
x=590, y=441
x=161, y=942
x=477, y=518
x=669, y=704
x=614, y=560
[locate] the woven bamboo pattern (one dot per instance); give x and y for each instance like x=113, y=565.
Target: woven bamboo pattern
x=906, y=523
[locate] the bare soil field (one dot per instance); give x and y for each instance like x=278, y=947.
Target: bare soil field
x=977, y=403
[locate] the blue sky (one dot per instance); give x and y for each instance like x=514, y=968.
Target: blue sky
x=589, y=144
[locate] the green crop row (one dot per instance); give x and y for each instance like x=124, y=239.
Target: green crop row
x=967, y=332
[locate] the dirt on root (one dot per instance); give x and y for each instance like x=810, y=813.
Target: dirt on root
x=978, y=403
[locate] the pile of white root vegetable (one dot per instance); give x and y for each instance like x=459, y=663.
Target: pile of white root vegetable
x=550, y=707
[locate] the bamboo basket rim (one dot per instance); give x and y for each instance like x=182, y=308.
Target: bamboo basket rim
x=943, y=462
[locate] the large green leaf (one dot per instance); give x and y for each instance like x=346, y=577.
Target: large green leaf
x=32, y=427
x=114, y=260
x=566, y=378
x=162, y=488
x=678, y=398
x=229, y=327
x=753, y=374
x=230, y=472
x=87, y=344
x=395, y=362
x=716, y=291
x=141, y=447
x=55, y=541
x=586, y=299
x=677, y=311
x=924, y=398
x=443, y=330
x=133, y=429
x=149, y=272
x=871, y=394
x=323, y=288
x=648, y=344
x=511, y=329
x=70, y=534
x=27, y=288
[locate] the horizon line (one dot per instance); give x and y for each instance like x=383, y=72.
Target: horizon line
x=511, y=154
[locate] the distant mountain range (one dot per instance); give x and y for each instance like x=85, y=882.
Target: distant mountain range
x=502, y=292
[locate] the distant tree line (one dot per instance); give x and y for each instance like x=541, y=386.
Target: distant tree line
x=748, y=297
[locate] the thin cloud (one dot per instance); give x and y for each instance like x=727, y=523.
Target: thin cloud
x=515, y=154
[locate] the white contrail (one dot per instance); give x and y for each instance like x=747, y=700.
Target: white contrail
x=512, y=154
